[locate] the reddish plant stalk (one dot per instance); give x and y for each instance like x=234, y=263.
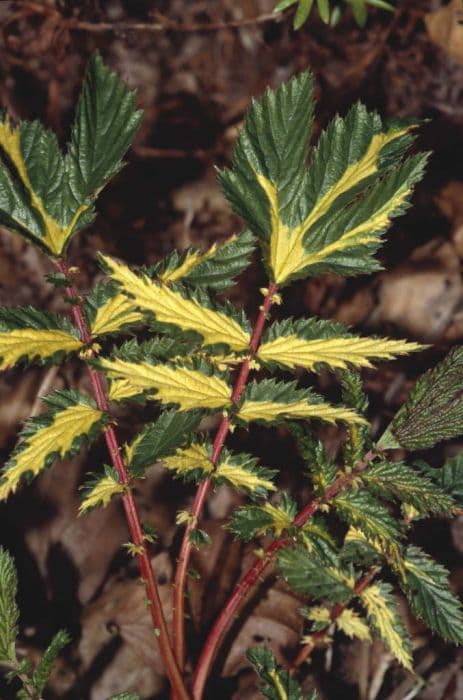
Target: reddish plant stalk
x=130, y=509
x=336, y=611
x=243, y=587
x=204, y=487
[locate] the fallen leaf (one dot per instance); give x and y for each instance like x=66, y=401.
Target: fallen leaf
x=445, y=28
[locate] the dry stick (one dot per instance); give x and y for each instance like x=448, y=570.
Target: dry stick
x=243, y=587
x=336, y=611
x=131, y=514
x=203, y=489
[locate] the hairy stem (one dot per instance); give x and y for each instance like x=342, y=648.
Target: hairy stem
x=243, y=587
x=335, y=612
x=204, y=487
x=130, y=509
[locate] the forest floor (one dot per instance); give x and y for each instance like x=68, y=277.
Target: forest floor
x=195, y=75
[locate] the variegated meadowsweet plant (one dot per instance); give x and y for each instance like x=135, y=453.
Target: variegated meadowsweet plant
x=342, y=547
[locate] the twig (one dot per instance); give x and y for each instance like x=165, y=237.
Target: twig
x=243, y=587
x=131, y=514
x=203, y=489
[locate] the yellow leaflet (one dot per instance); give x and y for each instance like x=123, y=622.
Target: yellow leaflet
x=56, y=438
x=194, y=457
x=241, y=478
x=101, y=494
x=192, y=260
x=319, y=614
x=269, y=411
x=287, y=252
x=281, y=520
x=186, y=387
x=32, y=343
x=170, y=307
x=378, y=608
x=122, y=389
x=55, y=234
x=293, y=351
x=353, y=625
x=115, y=313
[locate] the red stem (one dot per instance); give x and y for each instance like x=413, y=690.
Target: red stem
x=131, y=514
x=243, y=587
x=203, y=489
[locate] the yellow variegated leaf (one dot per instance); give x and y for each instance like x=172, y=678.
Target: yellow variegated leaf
x=192, y=260
x=281, y=520
x=242, y=478
x=169, y=306
x=122, y=389
x=293, y=351
x=32, y=342
x=118, y=311
x=385, y=620
x=185, y=386
x=56, y=235
x=319, y=614
x=288, y=254
x=56, y=438
x=269, y=411
x=194, y=457
x=101, y=493
x=353, y=625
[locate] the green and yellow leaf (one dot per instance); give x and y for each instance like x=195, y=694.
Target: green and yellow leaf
x=185, y=386
x=308, y=575
x=270, y=401
x=353, y=625
x=53, y=435
x=360, y=509
x=309, y=343
x=116, y=313
x=170, y=306
x=382, y=612
x=26, y=333
x=101, y=490
x=195, y=458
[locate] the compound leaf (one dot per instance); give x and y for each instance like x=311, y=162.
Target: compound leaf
x=56, y=434
x=306, y=574
x=26, y=334
x=361, y=509
x=216, y=325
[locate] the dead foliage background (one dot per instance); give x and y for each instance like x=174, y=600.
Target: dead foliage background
x=196, y=66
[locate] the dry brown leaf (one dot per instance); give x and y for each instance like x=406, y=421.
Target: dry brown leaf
x=119, y=617
x=445, y=27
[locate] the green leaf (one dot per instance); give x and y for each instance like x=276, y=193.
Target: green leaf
x=384, y=616
x=216, y=268
x=278, y=683
x=27, y=334
x=72, y=418
x=250, y=521
x=160, y=439
x=9, y=613
x=105, y=125
x=358, y=438
x=273, y=144
x=360, y=11
x=360, y=509
x=125, y=696
x=306, y=574
x=283, y=5
x=449, y=477
x=270, y=401
x=40, y=676
x=427, y=589
x=434, y=410
x=397, y=480
x=321, y=469
x=155, y=349
x=324, y=10
x=302, y=13
x=241, y=471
